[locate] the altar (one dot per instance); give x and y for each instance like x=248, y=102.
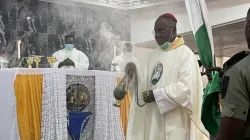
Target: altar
x=38, y=103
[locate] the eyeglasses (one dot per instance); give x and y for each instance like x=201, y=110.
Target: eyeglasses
x=160, y=31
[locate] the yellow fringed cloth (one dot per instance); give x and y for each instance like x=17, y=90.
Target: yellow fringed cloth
x=28, y=90
x=124, y=110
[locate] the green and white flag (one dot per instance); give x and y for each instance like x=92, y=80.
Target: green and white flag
x=198, y=17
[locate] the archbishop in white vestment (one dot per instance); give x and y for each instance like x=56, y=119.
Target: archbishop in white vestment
x=174, y=83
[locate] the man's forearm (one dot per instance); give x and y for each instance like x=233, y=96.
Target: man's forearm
x=164, y=103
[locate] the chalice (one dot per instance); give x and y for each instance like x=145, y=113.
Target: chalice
x=30, y=61
x=51, y=61
x=37, y=60
x=114, y=65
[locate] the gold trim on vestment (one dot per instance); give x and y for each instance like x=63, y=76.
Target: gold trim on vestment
x=175, y=44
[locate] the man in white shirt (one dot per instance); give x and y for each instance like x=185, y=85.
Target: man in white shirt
x=125, y=57
x=70, y=57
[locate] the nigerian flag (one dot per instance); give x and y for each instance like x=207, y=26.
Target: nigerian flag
x=198, y=17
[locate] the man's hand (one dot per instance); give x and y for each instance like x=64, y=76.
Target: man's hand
x=69, y=62
x=148, y=96
x=218, y=69
x=66, y=62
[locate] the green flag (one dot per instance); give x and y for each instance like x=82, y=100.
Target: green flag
x=198, y=17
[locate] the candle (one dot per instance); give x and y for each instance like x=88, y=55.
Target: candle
x=114, y=51
x=19, y=49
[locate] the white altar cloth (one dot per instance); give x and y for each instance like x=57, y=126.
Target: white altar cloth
x=8, y=118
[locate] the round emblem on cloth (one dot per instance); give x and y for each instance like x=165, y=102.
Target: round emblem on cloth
x=157, y=73
x=78, y=97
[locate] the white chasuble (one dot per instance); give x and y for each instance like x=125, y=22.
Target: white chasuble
x=175, y=79
x=79, y=58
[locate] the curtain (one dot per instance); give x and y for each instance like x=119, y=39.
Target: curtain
x=124, y=110
x=28, y=90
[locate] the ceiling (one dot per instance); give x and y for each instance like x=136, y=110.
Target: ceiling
x=130, y=4
x=127, y=4
x=228, y=39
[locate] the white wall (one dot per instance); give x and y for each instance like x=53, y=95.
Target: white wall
x=142, y=20
x=220, y=61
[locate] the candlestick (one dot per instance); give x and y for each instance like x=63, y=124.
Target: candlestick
x=19, y=49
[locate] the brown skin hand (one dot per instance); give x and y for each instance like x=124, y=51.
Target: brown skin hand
x=66, y=62
x=210, y=69
x=148, y=96
x=230, y=129
x=164, y=26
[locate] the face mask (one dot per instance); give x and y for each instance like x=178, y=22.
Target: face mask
x=69, y=47
x=167, y=43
